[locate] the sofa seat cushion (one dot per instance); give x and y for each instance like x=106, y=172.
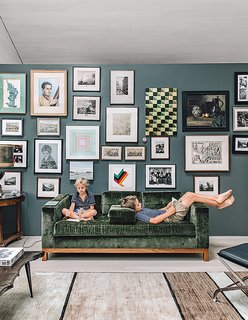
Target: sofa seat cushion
x=119, y=215
x=102, y=228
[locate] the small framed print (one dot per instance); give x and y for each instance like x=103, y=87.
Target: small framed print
x=47, y=187
x=86, y=108
x=241, y=87
x=122, y=177
x=19, y=152
x=122, y=87
x=240, y=118
x=11, y=181
x=81, y=169
x=12, y=127
x=86, y=79
x=240, y=144
x=111, y=153
x=47, y=156
x=207, y=185
x=161, y=176
x=135, y=153
x=160, y=148
x=48, y=127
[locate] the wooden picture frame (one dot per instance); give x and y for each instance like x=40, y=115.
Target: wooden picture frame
x=47, y=187
x=11, y=181
x=86, y=108
x=12, y=127
x=111, y=153
x=161, y=176
x=86, y=78
x=207, y=185
x=240, y=119
x=137, y=153
x=160, y=148
x=47, y=127
x=20, y=152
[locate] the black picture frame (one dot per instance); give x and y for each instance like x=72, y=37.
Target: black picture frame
x=241, y=88
x=205, y=111
x=240, y=144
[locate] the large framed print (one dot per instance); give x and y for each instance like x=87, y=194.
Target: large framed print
x=47, y=187
x=160, y=148
x=86, y=108
x=13, y=93
x=240, y=144
x=161, y=176
x=86, y=79
x=121, y=125
x=81, y=169
x=19, y=152
x=135, y=153
x=111, y=153
x=122, y=177
x=207, y=185
x=205, y=110
x=11, y=181
x=12, y=127
x=241, y=87
x=240, y=119
x=48, y=95
x=207, y=153
x=122, y=87
x=82, y=142
x=48, y=127
x=48, y=156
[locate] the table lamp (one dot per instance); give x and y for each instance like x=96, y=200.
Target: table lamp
x=6, y=159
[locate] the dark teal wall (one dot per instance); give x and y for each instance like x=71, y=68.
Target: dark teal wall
x=231, y=221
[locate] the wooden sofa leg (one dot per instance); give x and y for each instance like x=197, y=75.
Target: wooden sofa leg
x=205, y=255
x=45, y=256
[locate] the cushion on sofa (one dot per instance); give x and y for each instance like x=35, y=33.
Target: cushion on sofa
x=119, y=215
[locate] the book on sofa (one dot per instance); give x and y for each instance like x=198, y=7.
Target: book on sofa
x=8, y=256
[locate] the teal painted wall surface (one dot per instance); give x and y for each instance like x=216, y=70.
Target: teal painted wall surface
x=199, y=77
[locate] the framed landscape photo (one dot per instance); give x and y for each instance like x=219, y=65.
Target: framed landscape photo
x=86, y=79
x=13, y=93
x=111, y=153
x=240, y=118
x=12, y=127
x=47, y=187
x=11, y=181
x=19, y=152
x=207, y=153
x=241, y=87
x=121, y=125
x=207, y=185
x=161, y=176
x=47, y=156
x=122, y=177
x=240, y=144
x=122, y=87
x=205, y=110
x=86, y=108
x=82, y=142
x=135, y=153
x=160, y=148
x=48, y=127
x=48, y=93
x=81, y=169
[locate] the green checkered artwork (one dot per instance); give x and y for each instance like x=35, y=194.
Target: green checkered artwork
x=161, y=112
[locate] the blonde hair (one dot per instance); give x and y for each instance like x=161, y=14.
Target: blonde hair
x=81, y=181
x=128, y=202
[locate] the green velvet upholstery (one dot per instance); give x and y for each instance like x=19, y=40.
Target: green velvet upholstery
x=119, y=215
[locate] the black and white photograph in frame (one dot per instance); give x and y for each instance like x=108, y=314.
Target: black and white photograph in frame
x=86, y=108
x=47, y=187
x=111, y=153
x=207, y=185
x=47, y=157
x=161, y=176
x=207, y=153
x=19, y=152
x=12, y=127
x=122, y=87
x=11, y=181
x=241, y=87
x=240, y=118
x=160, y=148
x=86, y=79
x=135, y=153
x=81, y=169
x=48, y=127
x=240, y=144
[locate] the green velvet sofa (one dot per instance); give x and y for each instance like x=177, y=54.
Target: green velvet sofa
x=115, y=230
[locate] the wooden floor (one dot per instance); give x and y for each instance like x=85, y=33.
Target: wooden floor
x=132, y=263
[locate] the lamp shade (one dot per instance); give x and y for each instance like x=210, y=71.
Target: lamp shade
x=6, y=155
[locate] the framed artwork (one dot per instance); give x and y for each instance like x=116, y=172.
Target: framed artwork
x=241, y=87
x=11, y=181
x=161, y=176
x=47, y=187
x=121, y=125
x=86, y=108
x=207, y=153
x=86, y=79
x=13, y=93
x=82, y=142
x=12, y=127
x=81, y=169
x=48, y=93
x=19, y=152
x=161, y=112
x=48, y=127
x=240, y=144
x=122, y=87
x=240, y=119
x=207, y=185
x=111, y=153
x=205, y=110
x=160, y=148
x=135, y=153
x=48, y=156
x=122, y=177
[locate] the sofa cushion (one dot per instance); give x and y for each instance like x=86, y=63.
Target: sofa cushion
x=119, y=215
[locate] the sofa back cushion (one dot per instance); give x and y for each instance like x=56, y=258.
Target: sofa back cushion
x=157, y=200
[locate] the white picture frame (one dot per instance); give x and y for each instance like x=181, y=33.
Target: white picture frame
x=122, y=177
x=47, y=187
x=86, y=79
x=161, y=176
x=240, y=119
x=19, y=153
x=137, y=153
x=207, y=185
x=81, y=169
x=12, y=127
x=11, y=181
x=86, y=108
x=111, y=153
x=48, y=127
x=122, y=87
x=160, y=148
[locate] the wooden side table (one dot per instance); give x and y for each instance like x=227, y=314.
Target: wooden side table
x=5, y=201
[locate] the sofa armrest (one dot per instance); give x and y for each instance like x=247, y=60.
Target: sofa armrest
x=199, y=215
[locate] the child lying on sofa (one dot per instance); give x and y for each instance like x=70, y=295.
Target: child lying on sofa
x=176, y=210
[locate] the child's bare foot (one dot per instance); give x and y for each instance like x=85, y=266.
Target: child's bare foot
x=228, y=202
x=223, y=196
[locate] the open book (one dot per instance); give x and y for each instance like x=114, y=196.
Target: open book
x=173, y=199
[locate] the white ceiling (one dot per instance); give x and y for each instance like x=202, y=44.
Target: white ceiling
x=123, y=32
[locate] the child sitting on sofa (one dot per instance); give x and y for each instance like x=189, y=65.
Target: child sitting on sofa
x=82, y=203
x=176, y=210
